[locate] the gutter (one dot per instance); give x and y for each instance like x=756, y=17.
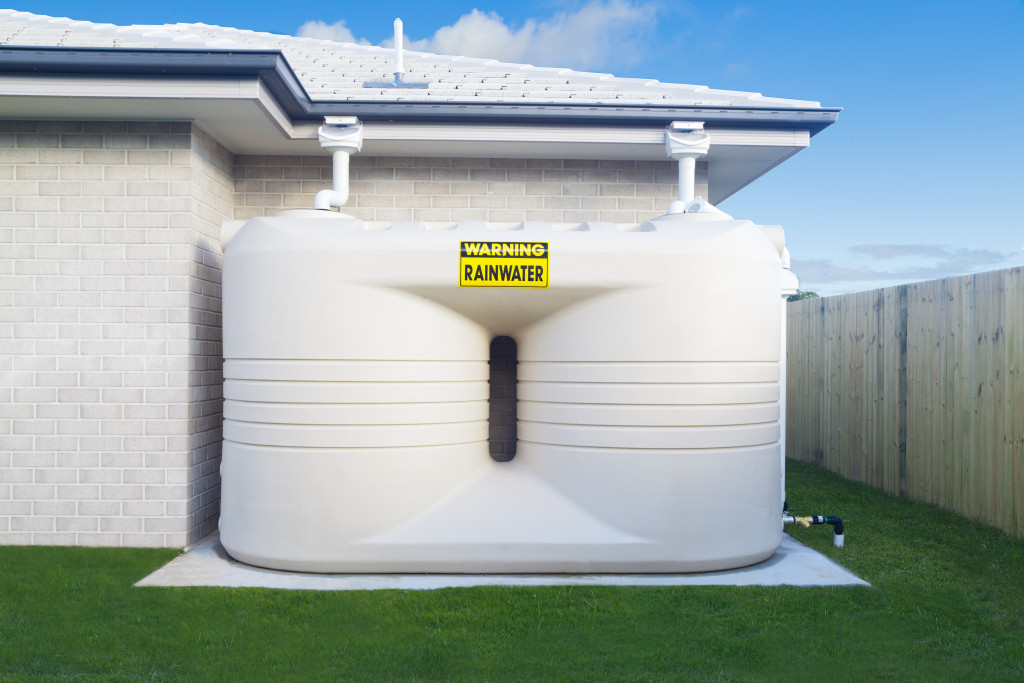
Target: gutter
x=274, y=72
x=269, y=66
x=814, y=120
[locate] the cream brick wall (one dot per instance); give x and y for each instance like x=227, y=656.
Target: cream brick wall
x=212, y=175
x=430, y=189
x=110, y=290
x=110, y=332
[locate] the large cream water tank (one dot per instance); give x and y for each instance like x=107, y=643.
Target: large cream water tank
x=356, y=395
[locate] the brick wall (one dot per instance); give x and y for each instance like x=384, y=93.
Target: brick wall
x=409, y=188
x=212, y=192
x=110, y=322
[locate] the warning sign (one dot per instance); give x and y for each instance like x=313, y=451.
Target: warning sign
x=503, y=264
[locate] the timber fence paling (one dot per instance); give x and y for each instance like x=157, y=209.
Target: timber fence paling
x=1014, y=443
x=996, y=431
x=901, y=388
x=841, y=382
x=940, y=387
x=883, y=398
x=854, y=356
x=963, y=408
x=1016, y=402
x=917, y=390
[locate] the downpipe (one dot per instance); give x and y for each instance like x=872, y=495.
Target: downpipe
x=342, y=136
x=686, y=141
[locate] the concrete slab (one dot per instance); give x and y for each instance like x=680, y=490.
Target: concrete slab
x=209, y=565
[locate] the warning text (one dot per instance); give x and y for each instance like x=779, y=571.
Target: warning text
x=503, y=264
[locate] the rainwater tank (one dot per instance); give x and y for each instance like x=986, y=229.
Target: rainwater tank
x=356, y=395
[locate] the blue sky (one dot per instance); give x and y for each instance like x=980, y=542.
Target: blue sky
x=922, y=177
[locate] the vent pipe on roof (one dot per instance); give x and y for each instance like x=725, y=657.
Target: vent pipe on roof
x=341, y=136
x=399, y=65
x=687, y=142
x=398, y=75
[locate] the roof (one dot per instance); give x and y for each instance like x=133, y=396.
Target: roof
x=262, y=93
x=331, y=71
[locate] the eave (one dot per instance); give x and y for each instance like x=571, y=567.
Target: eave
x=253, y=103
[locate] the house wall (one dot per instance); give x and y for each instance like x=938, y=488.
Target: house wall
x=110, y=352
x=211, y=189
x=110, y=332
x=432, y=189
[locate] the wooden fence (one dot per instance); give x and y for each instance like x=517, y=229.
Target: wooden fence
x=916, y=390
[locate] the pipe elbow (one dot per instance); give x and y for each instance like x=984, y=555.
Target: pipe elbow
x=322, y=200
x=325, y=200
x=837, y=525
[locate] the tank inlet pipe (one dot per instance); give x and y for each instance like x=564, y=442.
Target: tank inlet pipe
x=686, y=141
x=399, y=65
x=341, y=136
x=838, y=533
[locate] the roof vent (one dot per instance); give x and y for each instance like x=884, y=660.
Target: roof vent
x=399, y=64
x=399, y=71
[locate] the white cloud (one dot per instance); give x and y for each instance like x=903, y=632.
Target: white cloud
x=479, y=34
x=597, y=35
x=885, y=251
x=323, y=31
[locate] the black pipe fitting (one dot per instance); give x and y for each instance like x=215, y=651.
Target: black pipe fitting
x=837, y=525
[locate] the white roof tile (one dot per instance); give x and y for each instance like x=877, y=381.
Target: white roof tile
x=336, y=71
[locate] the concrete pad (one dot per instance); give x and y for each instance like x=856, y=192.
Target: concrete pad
x=209, y=565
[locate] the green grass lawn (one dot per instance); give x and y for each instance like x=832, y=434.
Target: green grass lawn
x=947, y=604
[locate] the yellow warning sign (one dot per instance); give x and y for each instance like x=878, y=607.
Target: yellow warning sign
x=503, y=264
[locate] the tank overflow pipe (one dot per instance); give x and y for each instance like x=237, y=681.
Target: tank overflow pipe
x=838, y=533
x=341, y=136
x=399, y=64
x=686, y=141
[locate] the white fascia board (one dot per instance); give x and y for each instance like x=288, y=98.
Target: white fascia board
x=643, y=135
x=504, y=141
x=176, y=87
x=567, y=142
x=759, y=137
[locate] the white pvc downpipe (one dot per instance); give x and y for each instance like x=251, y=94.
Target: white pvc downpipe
x=686, y=141
x=341, y=136
x=338, y=194
x=687, y=179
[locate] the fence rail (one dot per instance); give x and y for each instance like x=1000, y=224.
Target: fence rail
x=917, y=390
